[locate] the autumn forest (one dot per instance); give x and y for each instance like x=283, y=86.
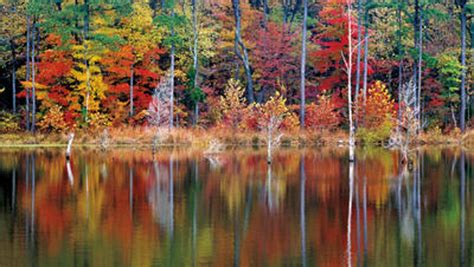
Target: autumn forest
x=319, y=65
x=236, y=133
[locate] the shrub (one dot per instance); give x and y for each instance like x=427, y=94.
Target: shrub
x=375, y=135
x=98, y=121
x=53, y=120
x=322, y=115
x=375, y=117
x=232, y=105
x=8, y=122
x=378, y=107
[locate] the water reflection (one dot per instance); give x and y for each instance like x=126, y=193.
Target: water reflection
x=181, y=208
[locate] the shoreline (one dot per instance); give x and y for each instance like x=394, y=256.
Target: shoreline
x=144, y=137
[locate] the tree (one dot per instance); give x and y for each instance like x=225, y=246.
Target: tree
x=274, y=63
x=322, y=115
x=195, y=59
x=232, y=104
x=359, y=37
x=33, y=82
x=137, y=31
x=159, y=107
x=303, y=63
x=348, y=63
x=450, y=70
x=242, y=55
x=462, y=5
x=270, y=118
x=12, y=23
x=366, y=47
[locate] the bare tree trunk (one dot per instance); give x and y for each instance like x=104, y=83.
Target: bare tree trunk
x=359, y=48
x=462, y=116
x=420, y=61
x=303, y=64
x=172, y=68
x=400, y=62
x=195, y=58
x=416, y=44
x=28, y=72
x=265, y=12
x=13, y=51
x=33, y=76
x=349, y=81
x=366, y=48
x=244, y=57
x=131, y=90
x=86, y=60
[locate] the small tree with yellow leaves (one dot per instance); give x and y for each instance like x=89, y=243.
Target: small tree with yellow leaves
x=376, y=115
x=378, y=107
x=232, y=105
x=270, y=120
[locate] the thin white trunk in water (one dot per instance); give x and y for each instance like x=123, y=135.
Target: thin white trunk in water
x=69, y=145
x=349, y=81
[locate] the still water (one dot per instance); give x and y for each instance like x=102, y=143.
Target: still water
x=183, y=208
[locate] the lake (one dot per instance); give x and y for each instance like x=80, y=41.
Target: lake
x=124, y=207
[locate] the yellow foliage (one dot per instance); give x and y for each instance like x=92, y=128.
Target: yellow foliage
x=137, y=29
x=232, y=105
x=276, y=108
x=53, y=120
x=87, y=81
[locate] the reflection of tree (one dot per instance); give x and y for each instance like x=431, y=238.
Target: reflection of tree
x=160, y=196
x=462, y=189
x=303, y=210
x=216, y=220
x=349, y=216
x=273, y=190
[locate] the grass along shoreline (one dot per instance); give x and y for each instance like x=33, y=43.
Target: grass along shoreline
x=200, y=138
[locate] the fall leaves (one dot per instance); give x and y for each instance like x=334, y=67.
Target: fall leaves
x=237, y=115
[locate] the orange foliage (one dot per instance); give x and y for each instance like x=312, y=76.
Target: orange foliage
x=323, y=115
x=379, y=107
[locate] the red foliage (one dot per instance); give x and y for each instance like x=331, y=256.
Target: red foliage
x=118, y=65
x=274, y=57
x=333, y=42
x=323, y=115
x=53, y=68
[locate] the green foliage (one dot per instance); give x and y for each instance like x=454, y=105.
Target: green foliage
x=375, y=135
x=450, y=71
x=8, y=122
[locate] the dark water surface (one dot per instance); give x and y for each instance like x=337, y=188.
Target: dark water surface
x=123, y=208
